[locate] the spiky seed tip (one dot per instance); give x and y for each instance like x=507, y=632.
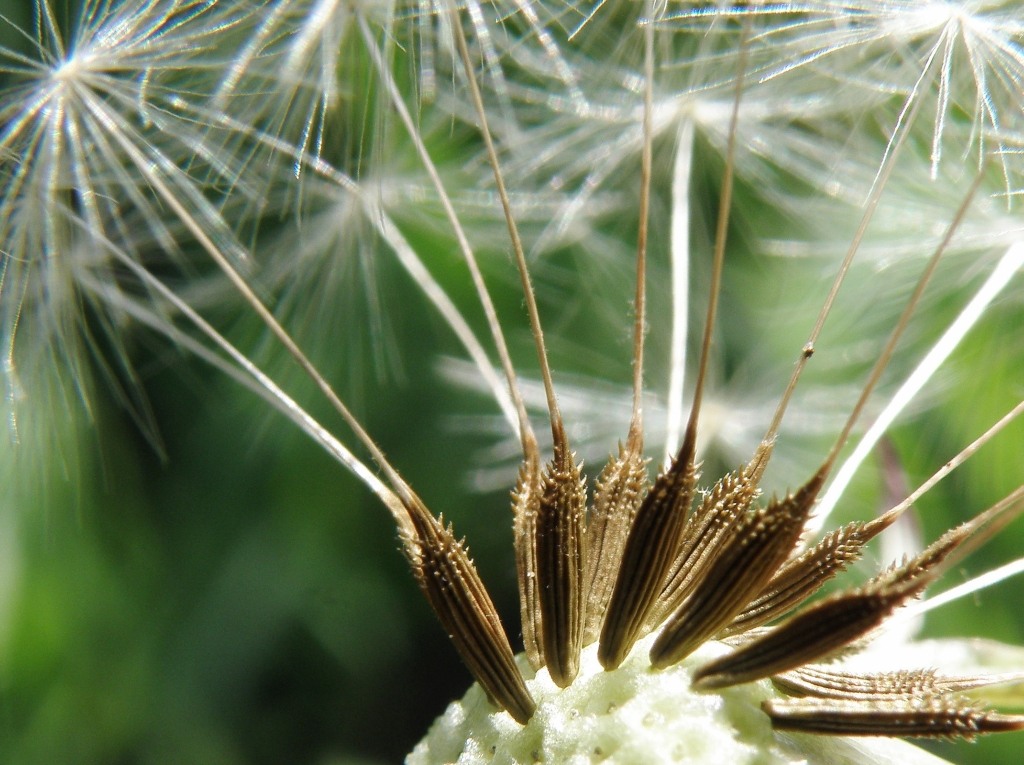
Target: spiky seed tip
x=620, y=489
x=525, y=502
x=452, y=586
x=820, y=631
x=929, y=717
x=804, y=575
x=651, y=547
x=720, y=510
x=833, y=623
x=560, y=564
x=748, y=556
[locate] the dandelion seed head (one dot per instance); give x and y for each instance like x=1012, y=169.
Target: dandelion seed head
x=105, y=125
x=913, y=19
x=632, y=714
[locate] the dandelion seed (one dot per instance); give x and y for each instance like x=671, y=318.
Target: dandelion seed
x=888, y=46
x=93, y=121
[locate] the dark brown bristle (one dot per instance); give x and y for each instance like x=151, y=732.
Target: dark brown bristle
x=803, y=576
x=721, y=509
x=750, y=554
x=649, y=551
x=561, y=558
x=928, y=717
x=525, y=502
x=620, y=489
x=456, y=594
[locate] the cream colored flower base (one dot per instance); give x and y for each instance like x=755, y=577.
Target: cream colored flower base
x=636, y=715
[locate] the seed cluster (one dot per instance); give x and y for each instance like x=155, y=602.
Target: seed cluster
x=692, y=567
x=732, y=566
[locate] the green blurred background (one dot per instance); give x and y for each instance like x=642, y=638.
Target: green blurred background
x=230, y=595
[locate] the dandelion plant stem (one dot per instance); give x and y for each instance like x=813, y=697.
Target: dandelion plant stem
x=721, y=232
x=526, y=435
x=640, y=299
x=906, y=119
x=956, y=462
x=904, y=320
x=1002, y=274
x=265, y=315
x=557, y=427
